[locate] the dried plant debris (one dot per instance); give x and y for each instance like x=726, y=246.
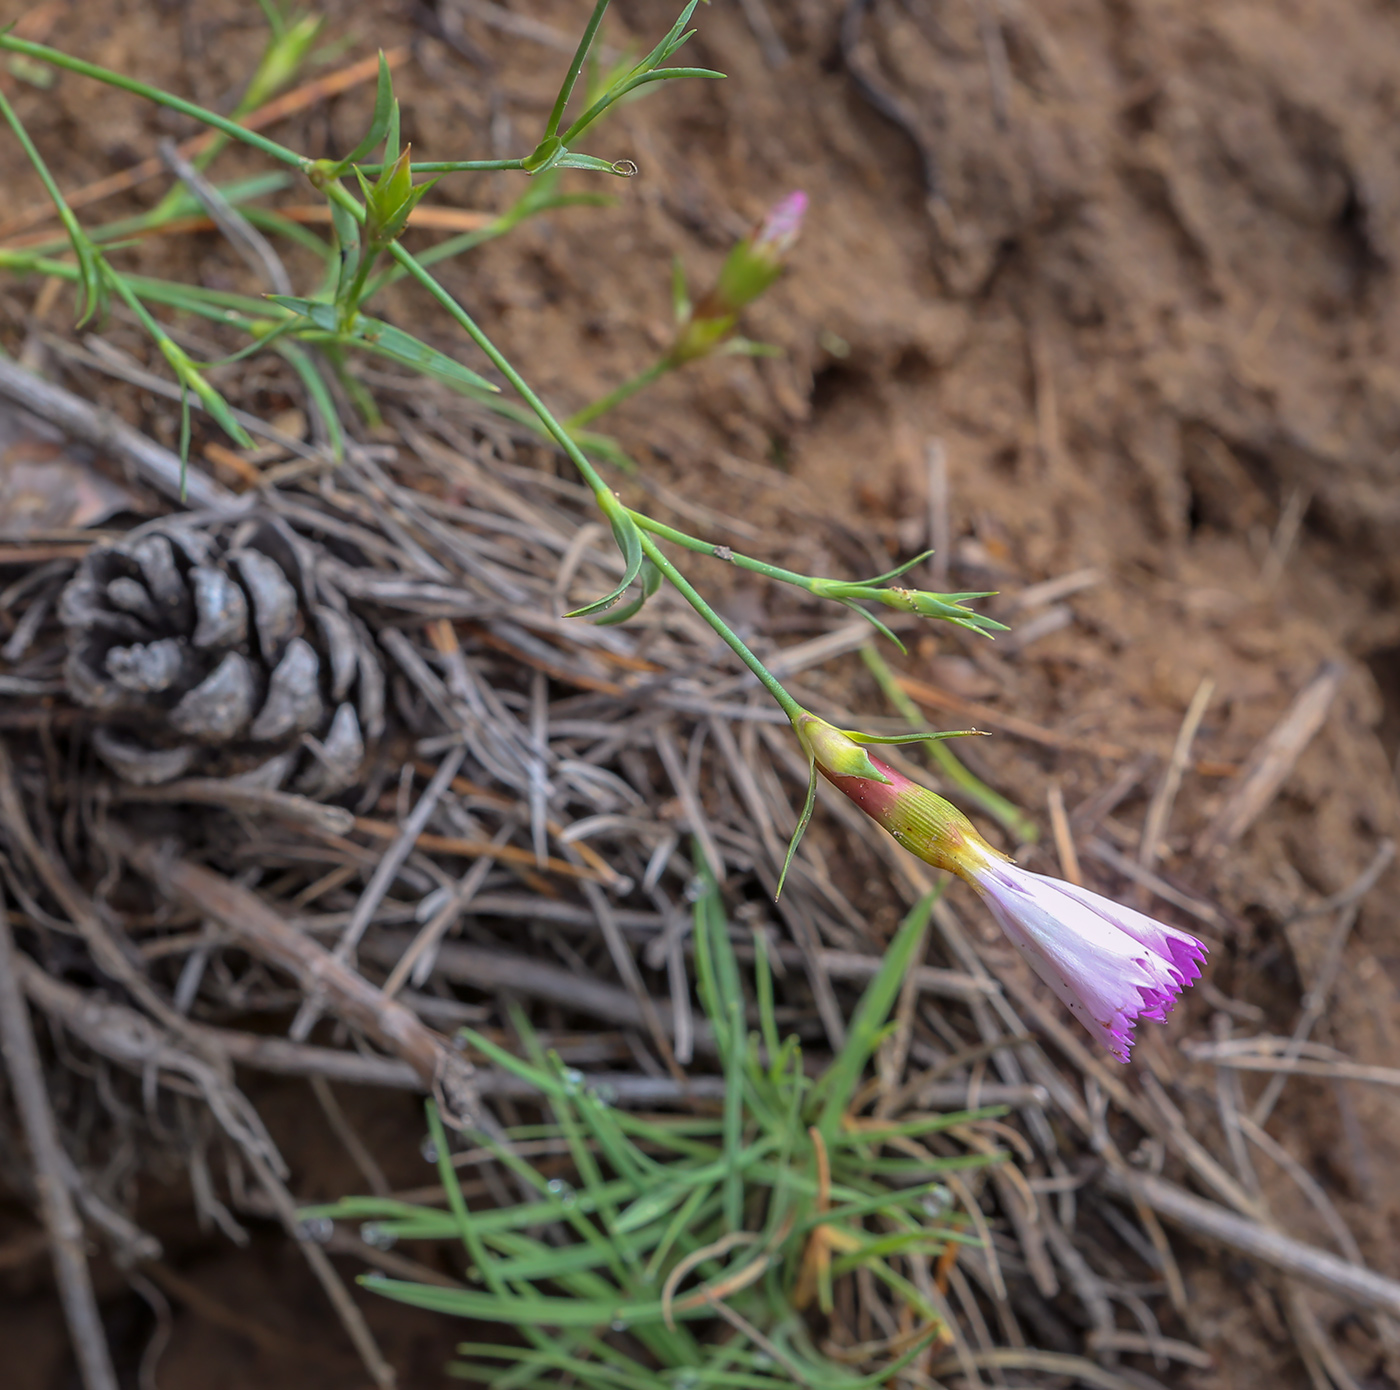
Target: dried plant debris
x=520, y=815
x=222, y=648
x=535, y=803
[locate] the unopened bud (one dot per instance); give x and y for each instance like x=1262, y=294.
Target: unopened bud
x=749, y=269
x=833, y=752
x=390, y=200
x=757, y=261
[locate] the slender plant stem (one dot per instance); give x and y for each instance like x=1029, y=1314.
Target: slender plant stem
x=610, y=98
x=170, y=349
x=557, y=431
x=31, y=262
x=44, y=54
x=444, y=250
x=721, y=552
x=619, y=394
x=727, y=635
x=65, y=213
x=452, y=166
x=349, y=303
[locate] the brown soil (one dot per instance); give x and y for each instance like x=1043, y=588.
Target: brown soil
x=1133, y=264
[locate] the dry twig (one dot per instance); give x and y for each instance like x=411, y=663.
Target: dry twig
x=65, y=1230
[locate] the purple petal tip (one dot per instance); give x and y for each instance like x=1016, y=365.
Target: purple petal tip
x=784, y=221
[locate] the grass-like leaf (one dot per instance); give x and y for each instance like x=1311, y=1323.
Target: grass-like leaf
x=610, y=1277
x=843, y=1076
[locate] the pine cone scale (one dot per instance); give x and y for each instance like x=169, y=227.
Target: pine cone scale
x=216, y=652
x=221, y=611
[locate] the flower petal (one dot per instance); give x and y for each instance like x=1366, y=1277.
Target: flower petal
x=1103, y=974
x=1182, y=949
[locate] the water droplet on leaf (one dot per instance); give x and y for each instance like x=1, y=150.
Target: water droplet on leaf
x=379, y=1236
x=317, y=1228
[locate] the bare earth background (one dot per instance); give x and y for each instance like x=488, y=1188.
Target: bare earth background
x=1131, y=263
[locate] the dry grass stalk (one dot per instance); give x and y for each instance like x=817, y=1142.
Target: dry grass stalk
x=562, y=808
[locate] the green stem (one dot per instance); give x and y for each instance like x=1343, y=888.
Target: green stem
x=619, y=394
x=1012, y=818
x=722, y=552
x=453, y=246
x=575, y=67
x=33, y=263
x=65, y=213
x=727, y=635
x=44, y=54
x=179, y=361
x=556, y=430
x=349, y=303
x=452, y=166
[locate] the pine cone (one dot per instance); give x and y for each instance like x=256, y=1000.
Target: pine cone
x=216, y=652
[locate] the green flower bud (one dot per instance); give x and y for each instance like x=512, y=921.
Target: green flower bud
x=749, y=269
x=390, y=200
x=833, y=751
x=757, y=261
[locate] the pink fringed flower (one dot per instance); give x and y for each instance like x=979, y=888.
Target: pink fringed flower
x=1109, y=965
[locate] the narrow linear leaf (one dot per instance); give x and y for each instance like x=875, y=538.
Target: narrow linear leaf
x=875, y=622
x=803, y=821
x=384, y=105
x=570, y=160
x=840, y=1082
x=629, y=541
x=651, y=582
x=387, y=341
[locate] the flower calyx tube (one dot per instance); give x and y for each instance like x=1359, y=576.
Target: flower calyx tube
x=1108, y=964
x=840, y=756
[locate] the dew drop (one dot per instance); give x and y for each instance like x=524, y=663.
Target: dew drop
x=379, y=1236
x=619, y=1324
x=561, y=1192
x=429, y=1151
x=317, y=1228
x=935, y=1204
